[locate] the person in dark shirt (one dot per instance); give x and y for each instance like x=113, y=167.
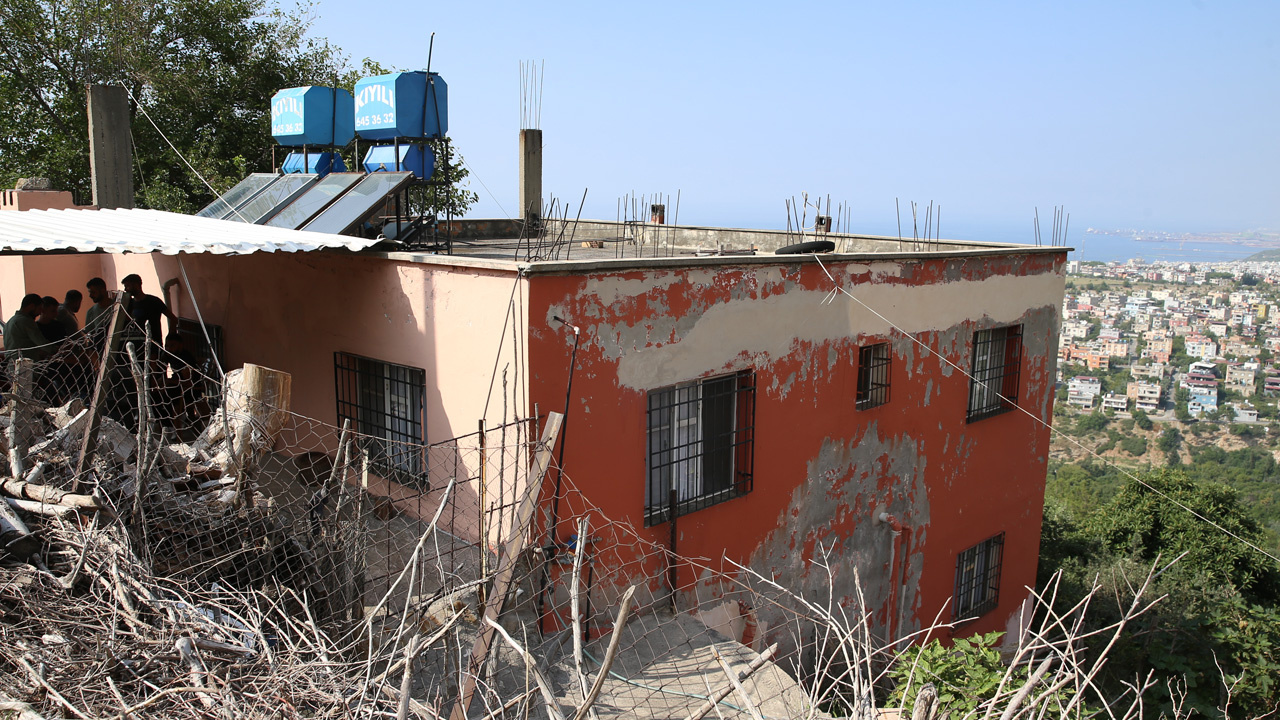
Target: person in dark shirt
x=180, y=387
x=50, y=326
x=68, y=309
x=53, y=377
x=146, y=309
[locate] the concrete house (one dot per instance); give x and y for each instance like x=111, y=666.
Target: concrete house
x=728, y=405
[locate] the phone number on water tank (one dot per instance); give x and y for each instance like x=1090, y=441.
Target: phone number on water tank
x=376, y=119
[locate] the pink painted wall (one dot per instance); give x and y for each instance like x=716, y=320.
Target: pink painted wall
x=291, y=312
x=46, y=275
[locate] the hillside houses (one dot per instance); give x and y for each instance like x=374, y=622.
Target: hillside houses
x=1206, y=331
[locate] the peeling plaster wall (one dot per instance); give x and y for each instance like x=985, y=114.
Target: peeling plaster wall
x=822, y=470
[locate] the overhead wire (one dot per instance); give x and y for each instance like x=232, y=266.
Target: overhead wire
x=1029, y=414
x=175, y=149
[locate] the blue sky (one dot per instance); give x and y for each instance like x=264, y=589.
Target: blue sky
x=1162, y=115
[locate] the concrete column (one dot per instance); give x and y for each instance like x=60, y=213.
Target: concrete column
x=110, y=165
x=530, y=174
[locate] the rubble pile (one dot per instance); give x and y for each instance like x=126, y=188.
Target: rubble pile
x=159, y=581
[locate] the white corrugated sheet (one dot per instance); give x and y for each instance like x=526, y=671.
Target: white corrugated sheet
x=148, y=231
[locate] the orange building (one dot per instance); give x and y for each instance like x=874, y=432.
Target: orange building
x=724, y=405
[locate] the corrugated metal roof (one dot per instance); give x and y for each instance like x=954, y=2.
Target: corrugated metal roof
x=148, y=231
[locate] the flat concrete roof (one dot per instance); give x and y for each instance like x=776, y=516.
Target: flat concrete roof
x=603, y=246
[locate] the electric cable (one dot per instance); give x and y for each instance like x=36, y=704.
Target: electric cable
x=176, y=151
x=1028, y=413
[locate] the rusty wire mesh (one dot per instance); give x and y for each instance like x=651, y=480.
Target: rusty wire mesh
x=228, y=557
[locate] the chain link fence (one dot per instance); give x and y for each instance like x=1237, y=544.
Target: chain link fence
x=180, y=544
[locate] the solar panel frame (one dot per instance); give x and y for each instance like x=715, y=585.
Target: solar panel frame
x=340, y=213
x=282, y=218
x=243, y=190
x=283, y=191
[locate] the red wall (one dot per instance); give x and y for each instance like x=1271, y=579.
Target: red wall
x=822, y=468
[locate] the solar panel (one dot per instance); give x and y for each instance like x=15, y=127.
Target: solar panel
x=277, y=194
x=351, y=209
x=297, y=213
x=243, y=190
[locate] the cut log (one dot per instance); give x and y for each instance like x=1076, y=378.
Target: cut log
x=49, y=495
x=39, y=508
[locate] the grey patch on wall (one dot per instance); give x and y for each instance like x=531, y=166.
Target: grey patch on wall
x=840, y=495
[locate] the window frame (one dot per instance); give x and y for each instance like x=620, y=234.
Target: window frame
x=994, y=388
x=875, y=367
x=987, y=561
x=676, y=446
x=386, y=404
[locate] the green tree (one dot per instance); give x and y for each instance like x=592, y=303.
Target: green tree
x=1141, y=420
x=1134, y=446
x=1157, y=517
x=1092, y=422
x=203, y=70
x=1218, y=624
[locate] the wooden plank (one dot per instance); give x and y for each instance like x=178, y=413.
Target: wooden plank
x=109, y=349
x=511, y=552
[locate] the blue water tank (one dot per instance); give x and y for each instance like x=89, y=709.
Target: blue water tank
x=421, y=161
x=403, y=105
x=312, y=115
x=319, y=163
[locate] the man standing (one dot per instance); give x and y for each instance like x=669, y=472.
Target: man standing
x=147, y=309
x=50, y=326
x=97, y=288
x=68, y=309
x=22, y=335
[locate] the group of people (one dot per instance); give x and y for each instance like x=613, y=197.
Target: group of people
x=43, y=329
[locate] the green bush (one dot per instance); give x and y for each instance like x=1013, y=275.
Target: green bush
x=965, y=674
x=1217, y=630
x=1093, y=422
x=1246, y=431
x=1141, y=420
x=1134, y=446
x=1169, y=440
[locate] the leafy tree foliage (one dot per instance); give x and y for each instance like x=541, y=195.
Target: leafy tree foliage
x=203, y=70
x=1218, y=628
x=1134, y=445
x=1169, y=440
x=1093, y=422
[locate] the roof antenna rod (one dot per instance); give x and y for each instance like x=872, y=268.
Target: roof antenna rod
x=898, y=210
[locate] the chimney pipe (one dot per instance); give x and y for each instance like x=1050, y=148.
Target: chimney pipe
x=531, y=175
x=110, y=165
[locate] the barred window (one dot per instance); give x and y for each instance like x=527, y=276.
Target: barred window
x=978, y=579
x=700, y=444
x=997, y=358
x=384, y=403
x=873, y=376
